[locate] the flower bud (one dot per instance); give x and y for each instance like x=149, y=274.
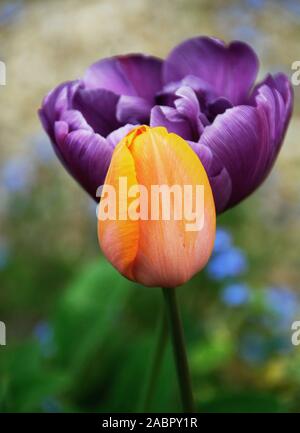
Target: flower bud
x=156, y=214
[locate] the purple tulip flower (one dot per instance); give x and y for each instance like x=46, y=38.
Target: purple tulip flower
x=203, y=91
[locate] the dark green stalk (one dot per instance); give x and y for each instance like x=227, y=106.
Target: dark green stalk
x=157, y=362
x=179, y=348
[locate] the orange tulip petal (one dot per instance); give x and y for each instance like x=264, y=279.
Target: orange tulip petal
x=119, y=238
x=172, y=253
x=158, y=252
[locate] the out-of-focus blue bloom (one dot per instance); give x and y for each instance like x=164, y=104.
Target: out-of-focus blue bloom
x=245, y=32
x=9, y=11
x=253, y=348
x=256, y=4
x=17, y=174
x=284, y=303
x=227, y=264
x=292, y=6
x=44, y=152
x=223, y=240
x=51, y=405
x=4, y=254
x=235, y=294
x=44, y=334
x=236, y=12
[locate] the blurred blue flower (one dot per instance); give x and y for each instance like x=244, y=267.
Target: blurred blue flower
x=9, y=11
x=292, y=6
x=236, y=12
x=253, y=348
x=44, y=334
x=245, y=32
x=51, y=405
x=43, y=149
x=227, y=264
x=235, y=294
x=17, y=174
x=256, y=4
x=223, y=240
x=284, y=303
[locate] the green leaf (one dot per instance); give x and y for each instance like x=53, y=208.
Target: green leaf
x=90, y=309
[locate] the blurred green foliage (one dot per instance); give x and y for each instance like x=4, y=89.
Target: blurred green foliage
x=93, y=351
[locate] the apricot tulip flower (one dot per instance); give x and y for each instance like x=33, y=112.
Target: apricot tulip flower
x=157, y=251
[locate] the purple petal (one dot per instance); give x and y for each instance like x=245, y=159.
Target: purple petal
x=55, y=103
x=188, y=106
x=235, y=142
x=98, y=106
x=218, y=175
x=75, y=120
x=116, y=136
x=245, y=140
x=133, y=109
x=202, y=89
x=281, y=83
x=85, y=155
x=218, y=106
x=185, y=119
x=210, y=103
x=172, y=120
x=71, y=120
x=131, y=75
x=230, y=70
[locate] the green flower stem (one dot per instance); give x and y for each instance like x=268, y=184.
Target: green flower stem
x=157, y=362
x=179, y=348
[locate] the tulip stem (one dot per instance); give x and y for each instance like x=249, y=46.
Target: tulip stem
x=156, y=362
x=179, y=348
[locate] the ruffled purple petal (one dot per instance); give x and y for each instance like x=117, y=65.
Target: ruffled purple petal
x=235, y=142
x=133, y=109
x=229, y=70
x=204, y=92
x=184, y=119
x=75, y=120
x=131, y=75
x=85, y=155
x=116, y=136
x=245, y=140
x=98, y=106
x=282, y=84
x=55, y=103
x=218, y=175
x=218, y=106
x=172, y=120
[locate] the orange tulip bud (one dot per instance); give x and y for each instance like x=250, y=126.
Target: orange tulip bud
x=156, y=215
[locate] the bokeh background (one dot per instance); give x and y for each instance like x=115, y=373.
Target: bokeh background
x=79, y=336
